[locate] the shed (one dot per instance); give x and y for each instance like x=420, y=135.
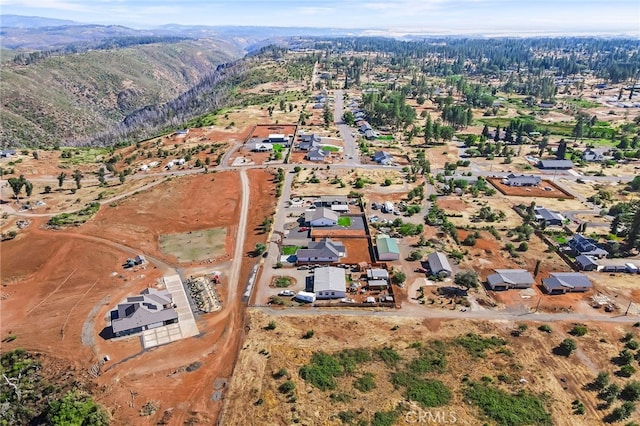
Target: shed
x=387, y=248
x=377, y=274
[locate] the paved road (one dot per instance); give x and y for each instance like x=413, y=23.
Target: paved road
x=350, y=147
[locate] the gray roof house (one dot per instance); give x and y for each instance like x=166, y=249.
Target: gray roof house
x=593, y=155
x=332, y=200
x=329, y=283
x=439, y=264
x=370, y=134
x=321, y=217
x=564, y=282
x=151, y=309
x=260, y=146
x=548, y=217
x=325, y=250
x=309, y=142
x=586, y=263
x=6, y=153
x=587, y=246
x=522, y=180
x=505, y=279
x=382, y=157
x=316, y=154
x=555, y=164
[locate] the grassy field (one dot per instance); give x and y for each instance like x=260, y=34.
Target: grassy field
x=83, y=155
x=196, y=245
x=330, y=148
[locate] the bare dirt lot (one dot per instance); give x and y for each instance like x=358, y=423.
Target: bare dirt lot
x=184, y=204
x=257, y=394
x=531, y=191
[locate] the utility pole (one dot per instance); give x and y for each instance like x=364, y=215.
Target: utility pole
x=628, y=307
x=538, y=305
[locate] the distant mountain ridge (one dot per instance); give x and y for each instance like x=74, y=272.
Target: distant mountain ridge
x=19, y=21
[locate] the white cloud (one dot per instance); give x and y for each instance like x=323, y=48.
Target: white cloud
x=314, y=10
x=47, y=4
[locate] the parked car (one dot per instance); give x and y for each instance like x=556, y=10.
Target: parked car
x=287, y=293
x=303, y=229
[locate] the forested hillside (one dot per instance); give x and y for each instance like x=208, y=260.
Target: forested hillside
x=64, y=99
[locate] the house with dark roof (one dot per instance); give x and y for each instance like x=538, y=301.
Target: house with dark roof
x=309, y=142
x=279, y=138
x=316, y=154
x=566, y=282
x=6, y=153
x=151, y=309
x=586, y=263
x=382, y=157
x=587, y=246
x=321, y=217
x=369, y=134
x=548, y=217
x=522, y=180
x=505, y=279
x=329, y=283
x=439, y=264
x=387, y=248
x=555, y=164
x=325, y=250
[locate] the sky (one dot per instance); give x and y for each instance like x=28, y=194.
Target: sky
x=528, y=17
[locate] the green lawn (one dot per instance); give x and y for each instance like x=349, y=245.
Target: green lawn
x=83, y=155
x=330, y=148
x=385, y=138
x=290, y=250
x=277, y=147
x=344, y=221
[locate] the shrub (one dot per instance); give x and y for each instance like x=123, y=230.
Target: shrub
x=429, y=393
x=545, y=327
x=309, y=334
x=509, y=409
x=477, y=345
x=76, y=408
x=566, y=347
x=578, y=330
x=365, y=383
x=467, y=279
x=631, y=391
x=626, y=371
x=280, y=373
x=322, y=371
x=388, y=355
x=271, y=325
x=287, y=387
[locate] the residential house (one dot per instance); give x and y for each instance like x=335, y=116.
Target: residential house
x=565, y=282
x=586, y=263
x=555, y=164
x=364, y=126
x=316, y=154
x=337, y=203
x=505, y=279
x=522, y=180
x=260, y=146
x=6, y=153
x=182, y=132
x=318, y=106
x=321, y=217
x=329, y=283
x=587, y=246
x=387, y=248
x=309, y=142
x=439, y=264
x=593, y=155
x=548, y=217
x=370, y=134
x=279, y=138
x=151, y=309
x=325, y=250
x=382, y=157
